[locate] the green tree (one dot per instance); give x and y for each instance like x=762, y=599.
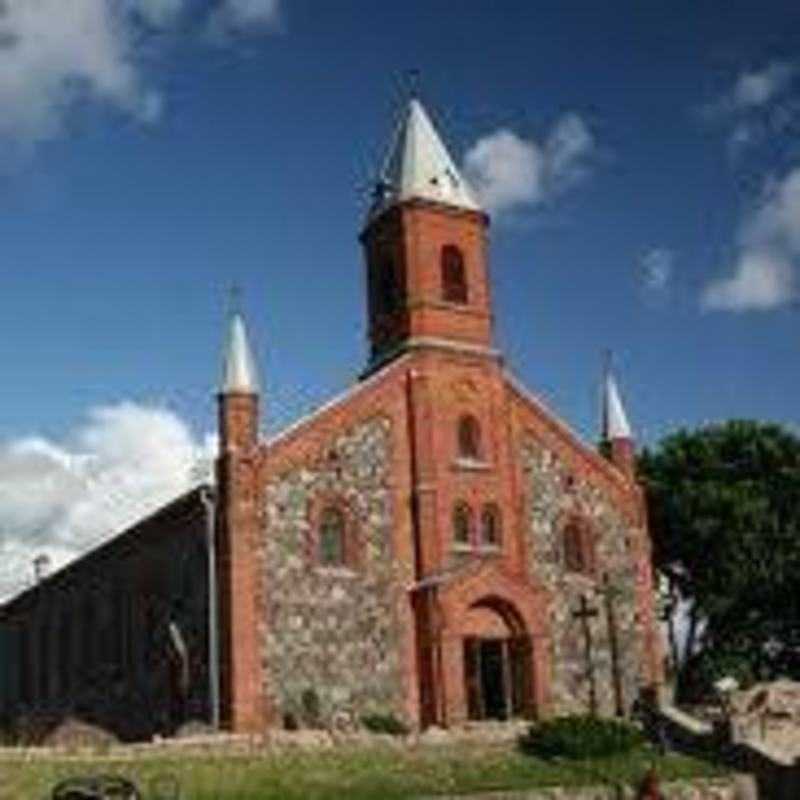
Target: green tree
x=725, y=516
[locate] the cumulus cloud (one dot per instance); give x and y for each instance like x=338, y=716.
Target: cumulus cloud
x=761, y=104
x=508, y=171
x=236, y=16
x=656, y=267
x=759, y=87
x=761, y=281
x=62, y=498
x=55, y=53
x=158, y=13
x=52, y=53
x=764, y=273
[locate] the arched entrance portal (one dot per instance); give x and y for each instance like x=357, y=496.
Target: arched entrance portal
x=497, y=661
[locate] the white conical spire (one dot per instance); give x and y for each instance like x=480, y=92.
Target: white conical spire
x=418, y=166
x=238, y=366
x=615, y=420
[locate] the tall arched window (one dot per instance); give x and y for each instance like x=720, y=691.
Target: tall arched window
x=491, y=533
x=462, y=523
x=469, y=437
x=388, y=291
x=454, y=278
x=579, y=553
x=332, y=538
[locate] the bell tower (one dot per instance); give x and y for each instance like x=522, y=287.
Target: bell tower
x=425, y=249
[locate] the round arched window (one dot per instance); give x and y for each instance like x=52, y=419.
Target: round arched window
x=454, y=278
x=491, y=534
x=331, y=538
x=462, y=523
x=469, y=437
x=579, y=553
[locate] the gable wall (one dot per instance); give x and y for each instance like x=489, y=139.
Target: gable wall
x=558, y=479
x=343, y=634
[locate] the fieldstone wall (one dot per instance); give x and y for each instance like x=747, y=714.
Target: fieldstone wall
x=332, y=633
x=717, y=789
x=554, y=493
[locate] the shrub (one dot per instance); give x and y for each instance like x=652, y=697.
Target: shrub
x=580, y=737
x=708, y=666
x=384, y=723
x=71, y=733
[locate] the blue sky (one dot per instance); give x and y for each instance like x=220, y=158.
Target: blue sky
x=121, y=234
x=642, y=160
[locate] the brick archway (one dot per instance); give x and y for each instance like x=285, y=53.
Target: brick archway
x=485, y=604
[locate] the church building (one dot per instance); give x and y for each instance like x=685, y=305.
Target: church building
x=434, y=544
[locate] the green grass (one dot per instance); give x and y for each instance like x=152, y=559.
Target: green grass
x=376, y=773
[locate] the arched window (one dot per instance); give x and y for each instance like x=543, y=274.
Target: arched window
x=579, y=547
x=332, y=538
x=462, y=524
x=454, y=278
x=388, y=290
x=384, y=286
x=491, y=533
x=469, y=437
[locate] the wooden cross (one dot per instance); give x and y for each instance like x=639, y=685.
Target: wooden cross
x=584, y=614
x=609, y=594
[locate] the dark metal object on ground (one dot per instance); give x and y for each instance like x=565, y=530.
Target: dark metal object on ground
x=96, y=787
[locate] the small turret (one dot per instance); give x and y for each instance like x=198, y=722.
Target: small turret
x=618, y=442
x=238, y=534
x=239, y=392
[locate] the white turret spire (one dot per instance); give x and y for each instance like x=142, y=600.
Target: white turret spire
x=615, y=420
x=418, y=166
x=239, y=373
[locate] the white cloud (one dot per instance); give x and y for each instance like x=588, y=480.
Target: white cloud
x=761, y=281
x=761, y=105
x=508, y=171
x=244, y=13
x=56, y=52
x=62, y=498
x=159, y=13
x=505, y=170
x=243, y=16
x=759, y=87
x=656, y=268
x=569, y=149
x=763, y=276
x=777, y=218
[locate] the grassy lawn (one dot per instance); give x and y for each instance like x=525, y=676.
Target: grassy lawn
x=377, y=773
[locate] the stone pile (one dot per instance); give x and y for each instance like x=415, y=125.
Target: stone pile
x=768, y=713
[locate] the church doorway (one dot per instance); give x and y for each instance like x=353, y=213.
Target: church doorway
x=497, y=664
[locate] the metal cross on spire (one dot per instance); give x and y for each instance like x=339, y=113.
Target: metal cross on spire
x=413, y=81
x=234, y=299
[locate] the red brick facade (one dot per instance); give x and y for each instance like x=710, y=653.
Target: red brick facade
x=432, y=366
